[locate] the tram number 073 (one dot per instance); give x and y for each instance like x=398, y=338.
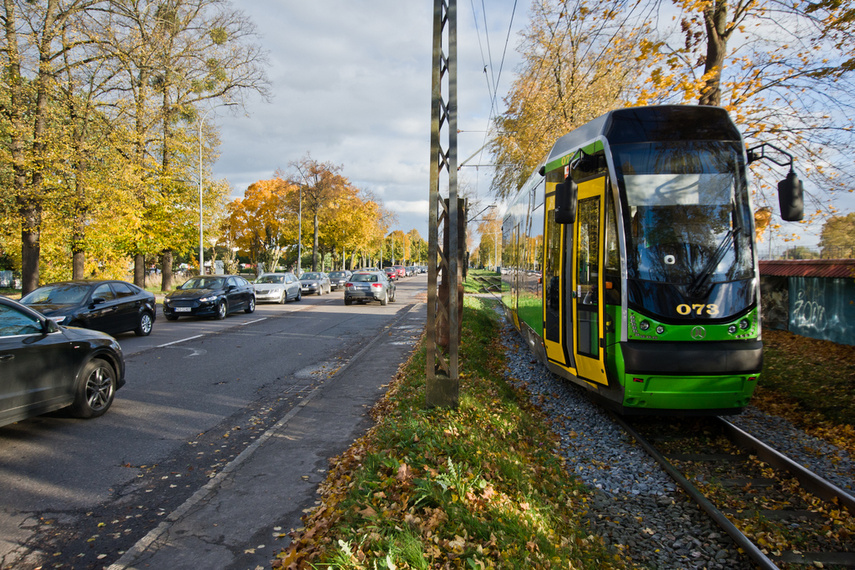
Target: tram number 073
x=699, y=309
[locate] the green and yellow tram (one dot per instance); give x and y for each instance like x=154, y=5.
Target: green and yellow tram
x=629, y=262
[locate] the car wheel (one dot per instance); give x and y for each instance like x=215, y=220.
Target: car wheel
x=96, y=387
x=392, y=298
x=385, y=299
x=251, y=307
x=347, y=300
x=145, y=324
x=299, y=295
x=283, y=297
x=222, y=311
x=320, y=290
x=170, y=317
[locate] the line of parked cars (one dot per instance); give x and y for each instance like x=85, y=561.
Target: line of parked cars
x=56, y=348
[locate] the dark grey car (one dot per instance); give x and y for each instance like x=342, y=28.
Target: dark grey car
x=339, y=278
x=366, y=286
x=45, y=366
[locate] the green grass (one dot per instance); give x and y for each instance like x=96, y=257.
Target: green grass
x=473, y=487
x=810, y=382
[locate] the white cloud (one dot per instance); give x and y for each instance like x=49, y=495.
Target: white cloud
x=351, y=83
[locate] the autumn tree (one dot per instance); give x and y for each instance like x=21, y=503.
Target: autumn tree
x=490, y=228
x=578, y=62
x=320, y=183
x=783, y=70
x=837, y=240
x=176, y=55
x=418, y=247
x=32, y=56
x=260, y=221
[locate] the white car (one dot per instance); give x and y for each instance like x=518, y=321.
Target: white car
x=277, y=288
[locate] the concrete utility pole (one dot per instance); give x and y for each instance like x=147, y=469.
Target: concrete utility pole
x=445, y=302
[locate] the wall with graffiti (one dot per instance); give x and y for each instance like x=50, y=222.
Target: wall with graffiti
x=823, y=308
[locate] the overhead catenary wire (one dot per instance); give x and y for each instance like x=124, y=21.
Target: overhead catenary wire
x=492, y=76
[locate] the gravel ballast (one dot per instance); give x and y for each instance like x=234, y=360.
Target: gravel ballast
x=636, y=506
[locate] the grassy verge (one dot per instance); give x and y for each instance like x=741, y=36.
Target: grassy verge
x=475, y=487
x=811, y=383
x=11, y=293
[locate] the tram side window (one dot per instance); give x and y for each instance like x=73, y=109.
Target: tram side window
x=552, y=277
x=612, y=251
x=534, y=247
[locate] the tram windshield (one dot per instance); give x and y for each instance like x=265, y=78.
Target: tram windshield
x=686, y=212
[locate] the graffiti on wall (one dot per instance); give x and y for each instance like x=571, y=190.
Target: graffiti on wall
x=823, y=308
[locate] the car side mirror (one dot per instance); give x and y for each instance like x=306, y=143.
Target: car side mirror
x=566, y=194
x=50, y=326
x=791, y=198
x=98, y=300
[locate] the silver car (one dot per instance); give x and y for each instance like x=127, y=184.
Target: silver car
x=366, y=286
x=315, y=282
x=277, y=288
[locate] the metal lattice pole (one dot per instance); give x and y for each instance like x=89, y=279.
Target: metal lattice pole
x=443, y=318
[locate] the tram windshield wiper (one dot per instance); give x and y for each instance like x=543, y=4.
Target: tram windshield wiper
x=701, y=281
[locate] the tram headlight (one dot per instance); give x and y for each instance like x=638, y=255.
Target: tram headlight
x=731, y=329
x=644, y=325
x=660, y=329
x=744, y=324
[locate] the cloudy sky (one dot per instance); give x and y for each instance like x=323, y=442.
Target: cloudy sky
x=351, y=84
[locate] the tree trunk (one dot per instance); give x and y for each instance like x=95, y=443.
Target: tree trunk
x=166, y=269
x=139, y=270
x=78, y=250
x=31, y=221
x=715, y=20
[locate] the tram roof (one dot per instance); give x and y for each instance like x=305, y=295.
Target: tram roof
x=653, y=123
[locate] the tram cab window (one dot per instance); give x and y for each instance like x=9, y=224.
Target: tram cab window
x=589, y=166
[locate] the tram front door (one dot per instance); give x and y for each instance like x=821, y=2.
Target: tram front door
x=587, y=282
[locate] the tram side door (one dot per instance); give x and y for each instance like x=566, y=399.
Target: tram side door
x=587, y=282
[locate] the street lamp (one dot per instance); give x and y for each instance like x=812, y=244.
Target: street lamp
x=300, y=233
x=201, y=226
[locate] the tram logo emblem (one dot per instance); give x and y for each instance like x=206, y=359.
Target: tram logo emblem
x=699, y=333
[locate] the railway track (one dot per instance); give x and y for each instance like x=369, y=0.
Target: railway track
x=778, y=513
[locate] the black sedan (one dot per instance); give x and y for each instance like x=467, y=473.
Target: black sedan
x=109, y=306
x=45, y=366
x=210, y=296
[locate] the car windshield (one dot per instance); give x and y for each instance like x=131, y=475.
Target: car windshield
x=203, y=283
x=270, y=279
x=311, y=276
x=337, y=274
x=364, y=278
x=63, y=294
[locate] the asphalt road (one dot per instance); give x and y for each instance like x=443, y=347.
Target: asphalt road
x=205, y=403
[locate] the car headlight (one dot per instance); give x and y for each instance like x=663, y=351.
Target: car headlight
x=208, y=299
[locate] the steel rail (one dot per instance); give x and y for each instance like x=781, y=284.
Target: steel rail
x=809, y=480
x=742, y=541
